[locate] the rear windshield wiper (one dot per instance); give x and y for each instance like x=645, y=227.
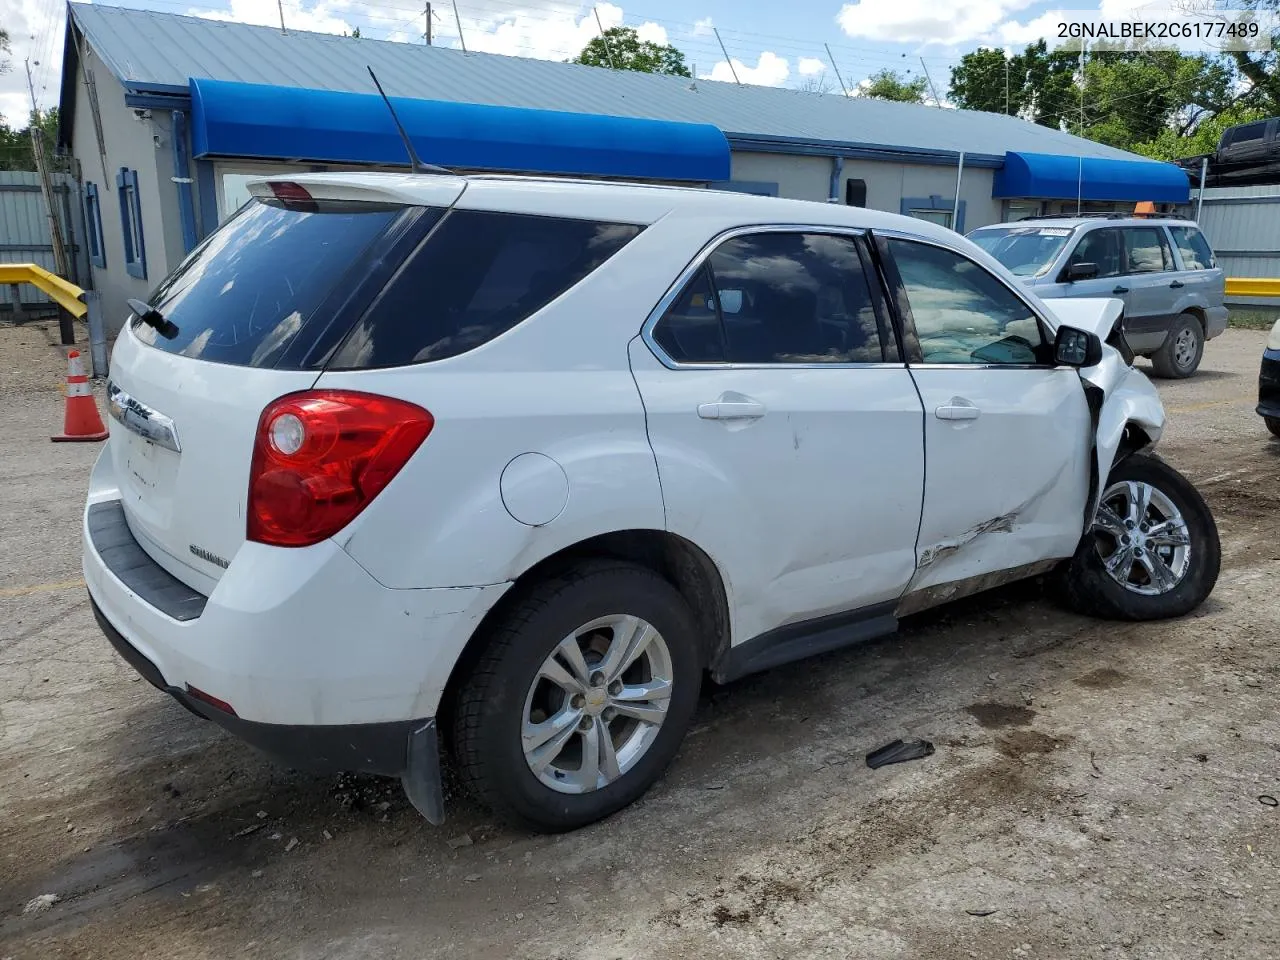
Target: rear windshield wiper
x=153, y=318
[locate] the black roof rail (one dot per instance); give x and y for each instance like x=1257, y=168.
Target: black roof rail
x=1106, y=216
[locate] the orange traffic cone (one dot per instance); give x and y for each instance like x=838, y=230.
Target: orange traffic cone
x=82, y=421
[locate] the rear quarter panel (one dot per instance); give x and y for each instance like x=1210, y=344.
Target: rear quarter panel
x=559, y=384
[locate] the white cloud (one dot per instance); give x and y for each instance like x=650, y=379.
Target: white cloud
x=35, y=33
x=810, y=66
x=770, y=70
x=924, y=21
x=703, y=27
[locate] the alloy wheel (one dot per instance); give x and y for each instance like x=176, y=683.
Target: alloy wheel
x=1142, y=538
x=597, y=704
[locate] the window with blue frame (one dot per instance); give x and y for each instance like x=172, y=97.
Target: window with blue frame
x=93, y=225
x=135, y=251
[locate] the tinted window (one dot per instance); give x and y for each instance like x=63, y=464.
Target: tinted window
x=1250, y=131
x=775, y=298
x=962, y=313
x=1101, y=247
x=691, y=331
x=1194, y=248
x=244, y=293
x=1145, y=250
x=476, y=276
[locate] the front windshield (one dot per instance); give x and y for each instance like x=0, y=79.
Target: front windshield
x=1026, y=251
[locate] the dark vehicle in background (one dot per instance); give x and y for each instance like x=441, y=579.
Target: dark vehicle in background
x=1256, y=142
x=1269, y=382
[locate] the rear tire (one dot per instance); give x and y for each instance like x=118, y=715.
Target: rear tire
x=1121, y=571
x=1273, y=424
x=549, y=671
x=1179, y=357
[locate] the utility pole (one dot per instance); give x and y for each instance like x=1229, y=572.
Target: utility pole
x=608, y=49
x=280, y=7
x=426, y=13
x=728, y=59
x=937, y=102
x=836, y=69
x=1006, y=85
x=1080, y=129
x=46, y=189
x=458, y=20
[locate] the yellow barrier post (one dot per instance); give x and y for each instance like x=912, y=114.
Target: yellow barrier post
x=63, y=292
x=1253, y=287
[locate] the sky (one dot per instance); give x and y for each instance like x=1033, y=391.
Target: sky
x=769, y=43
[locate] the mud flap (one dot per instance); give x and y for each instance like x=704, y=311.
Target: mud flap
x=421, y=777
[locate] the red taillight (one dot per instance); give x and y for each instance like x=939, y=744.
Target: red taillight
x=210, y=699
x=320, y=457
x=294, y=195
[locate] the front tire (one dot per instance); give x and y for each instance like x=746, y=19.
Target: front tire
x=1153, y=551
x=580, y=699
x=1273, y=424
x=1179, y=357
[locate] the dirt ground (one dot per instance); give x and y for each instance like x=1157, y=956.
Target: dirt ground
x=1095, y=790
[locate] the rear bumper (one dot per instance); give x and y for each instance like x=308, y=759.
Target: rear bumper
x=1215, y=321
x=1269, y=385
x=299, y=638
x=367, y=747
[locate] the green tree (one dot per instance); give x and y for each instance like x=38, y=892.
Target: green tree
x=1130, y=95
x=889, y=85
x=624, y=50
x=15, y=143
x=1261, y=68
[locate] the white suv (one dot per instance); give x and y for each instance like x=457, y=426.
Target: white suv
x=507, y=464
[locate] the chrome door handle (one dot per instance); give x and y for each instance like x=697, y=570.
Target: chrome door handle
x=1120, y=290
x=731, y=410
x=957, y=411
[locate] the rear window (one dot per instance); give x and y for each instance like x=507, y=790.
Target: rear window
x=244, y=294
x=1196, y=254
x=477, y=275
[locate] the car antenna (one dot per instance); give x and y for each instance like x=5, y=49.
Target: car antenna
x=414, y=160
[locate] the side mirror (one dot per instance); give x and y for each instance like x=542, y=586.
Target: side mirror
x=1076, y=348
x=1081, y=271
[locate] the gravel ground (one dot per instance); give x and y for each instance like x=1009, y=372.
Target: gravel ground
x=1094, y=792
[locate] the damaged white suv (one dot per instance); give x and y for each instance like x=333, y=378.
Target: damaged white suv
x=504, y=465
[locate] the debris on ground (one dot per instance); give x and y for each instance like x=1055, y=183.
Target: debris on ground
x=1268, y=801
x=463, y=840
x=327, y=835
x=981, y=912
x=252, y=828
x=899, y=751
x=40, y=904
x=471, y=877
x=291, y=844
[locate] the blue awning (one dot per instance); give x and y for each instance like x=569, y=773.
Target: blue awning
x=261, y=121
x=1050, y=177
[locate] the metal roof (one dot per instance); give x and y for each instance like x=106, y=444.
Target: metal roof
x=152, y=52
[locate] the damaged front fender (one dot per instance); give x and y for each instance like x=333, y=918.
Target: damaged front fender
x=1130, y=419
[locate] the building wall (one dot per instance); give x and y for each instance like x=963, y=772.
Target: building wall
x=1242, y=224
x=142, y=144
x=799, y=178
x=888, y=183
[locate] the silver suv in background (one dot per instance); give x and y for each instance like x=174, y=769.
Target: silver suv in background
x=1162, y=268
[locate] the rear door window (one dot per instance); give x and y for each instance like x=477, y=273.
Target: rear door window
x=1146, y=250
x=477, y=275
x=776, y=298
x=1195, y=250
x=244, y=294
